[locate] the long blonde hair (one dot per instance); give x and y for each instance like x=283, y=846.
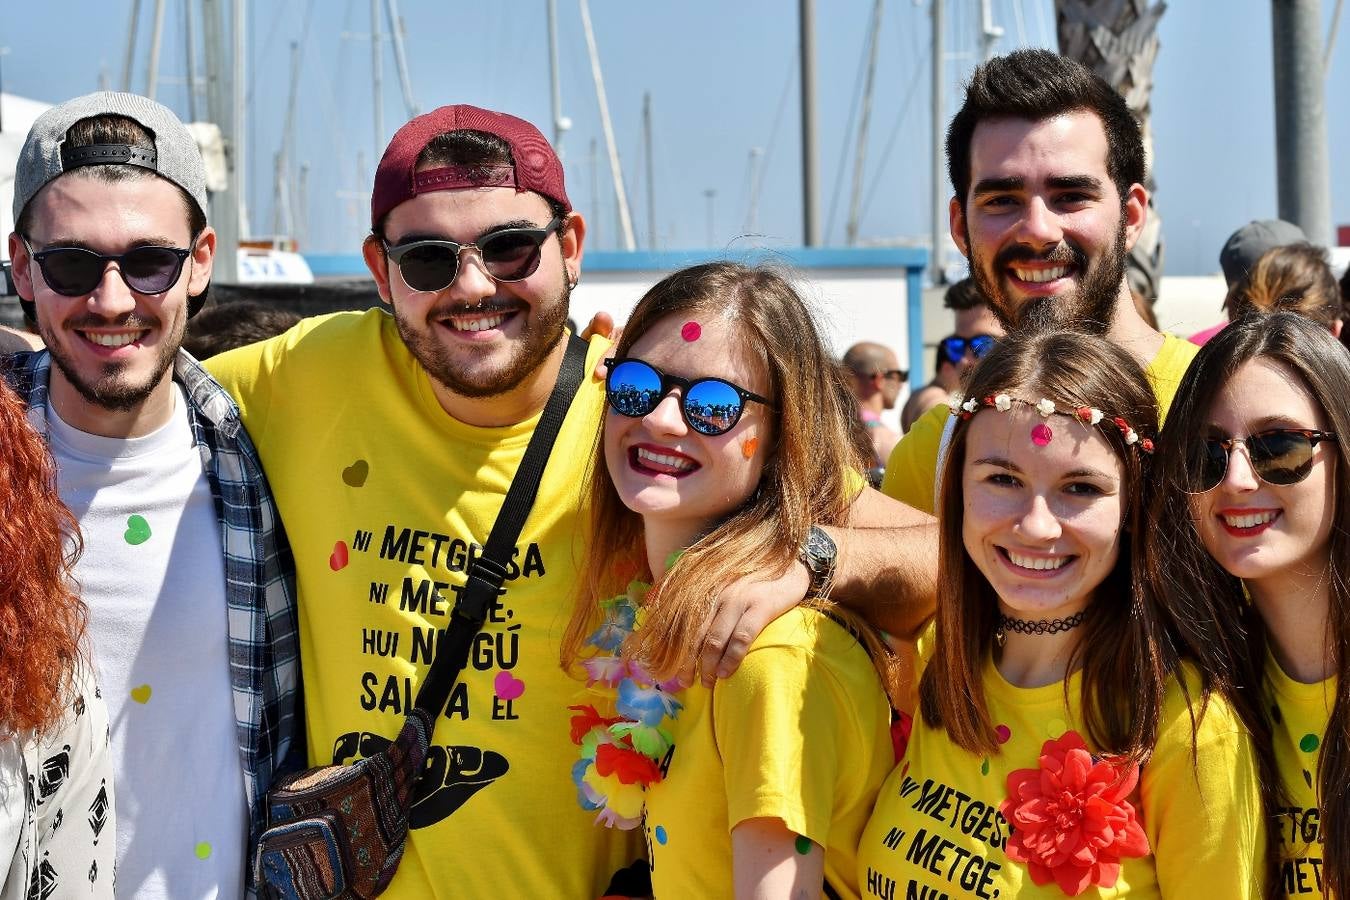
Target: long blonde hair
x=805, y=481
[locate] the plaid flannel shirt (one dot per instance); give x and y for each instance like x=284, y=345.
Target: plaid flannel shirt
x=264, y=646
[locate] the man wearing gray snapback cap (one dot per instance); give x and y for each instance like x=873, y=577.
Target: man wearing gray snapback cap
x=185, y=570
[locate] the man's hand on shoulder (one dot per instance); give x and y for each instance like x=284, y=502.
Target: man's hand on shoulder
x=601, y=324
x=13, y=340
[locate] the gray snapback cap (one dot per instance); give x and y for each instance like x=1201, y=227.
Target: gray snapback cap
x=1249, y=243
x=44, y=156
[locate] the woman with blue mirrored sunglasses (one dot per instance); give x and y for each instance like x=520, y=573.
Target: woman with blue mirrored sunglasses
x=699, y=480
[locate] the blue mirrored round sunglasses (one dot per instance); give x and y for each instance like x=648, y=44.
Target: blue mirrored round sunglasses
x=710, y=406
x=953, y=347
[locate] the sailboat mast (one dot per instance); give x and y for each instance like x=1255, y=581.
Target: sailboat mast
x=651, y=174
x=377, y=74
x=560, y=122
x=860, y=156
x=156, y=39
x=939, y=200
x=810, y=220
x=615, y=169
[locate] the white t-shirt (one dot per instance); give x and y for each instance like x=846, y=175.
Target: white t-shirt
x=153, y=576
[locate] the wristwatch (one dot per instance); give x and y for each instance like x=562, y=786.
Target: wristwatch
x=819, y=554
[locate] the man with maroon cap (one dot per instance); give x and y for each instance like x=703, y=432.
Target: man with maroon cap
x=391, y=441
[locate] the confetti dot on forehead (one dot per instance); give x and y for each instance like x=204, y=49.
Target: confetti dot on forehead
x=1003, y=733
x=1041, y=434
x=1309, y=742
x=803, y=845
x=1056, y=727
x=748, y=448
x=691, y=331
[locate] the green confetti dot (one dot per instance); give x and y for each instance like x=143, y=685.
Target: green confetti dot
x=203, y=850
x=984, y=766
x=672, y=558
x=138, y=530
x=1308, y=743
x=803, y=845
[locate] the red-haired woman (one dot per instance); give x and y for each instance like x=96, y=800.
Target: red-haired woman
x=1061, y=748
x=56, y=809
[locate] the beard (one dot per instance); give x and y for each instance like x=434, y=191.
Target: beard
x=1089, y=308
x=540, y=334
x=112, y=389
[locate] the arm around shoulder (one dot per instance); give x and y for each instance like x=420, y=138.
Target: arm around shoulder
x=887, y=564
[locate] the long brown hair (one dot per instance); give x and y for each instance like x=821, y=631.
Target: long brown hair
x=1220, y=628
x=804, y=482
x=41, y=619
x=1123, y=642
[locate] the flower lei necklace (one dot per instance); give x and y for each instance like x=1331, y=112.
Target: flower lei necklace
x=620, y=754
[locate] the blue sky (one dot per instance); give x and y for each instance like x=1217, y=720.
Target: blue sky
x=723, y=79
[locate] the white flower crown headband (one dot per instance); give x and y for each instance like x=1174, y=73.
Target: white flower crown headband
x=1089, y=415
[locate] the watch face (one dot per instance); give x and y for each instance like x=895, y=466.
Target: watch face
x=820, y=549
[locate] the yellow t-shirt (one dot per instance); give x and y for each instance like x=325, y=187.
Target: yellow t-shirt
x=385, y=498
x=937, y=830
x=911, y=471
x=1299, y=714
x=800, y=733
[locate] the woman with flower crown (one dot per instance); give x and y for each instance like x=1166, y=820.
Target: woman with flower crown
x=726, y=440
x=1060, y=747
x=1250, y=527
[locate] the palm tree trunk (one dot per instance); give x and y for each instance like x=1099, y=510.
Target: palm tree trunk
x=1118, y=39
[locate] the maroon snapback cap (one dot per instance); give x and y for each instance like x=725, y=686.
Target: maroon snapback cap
x=536, y=167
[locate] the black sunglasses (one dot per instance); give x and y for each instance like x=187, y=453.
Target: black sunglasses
x=75, y=271
x=953, y=347
x=511, y=254
x=1279, y=456
x=710, y=406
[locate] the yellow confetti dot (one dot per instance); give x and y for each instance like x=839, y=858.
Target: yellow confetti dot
x=203, y=850
x=1055, y=727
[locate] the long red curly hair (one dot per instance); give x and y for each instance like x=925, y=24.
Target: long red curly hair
x=42, y=620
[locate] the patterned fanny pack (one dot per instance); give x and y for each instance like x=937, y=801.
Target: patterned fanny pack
x=339, y=832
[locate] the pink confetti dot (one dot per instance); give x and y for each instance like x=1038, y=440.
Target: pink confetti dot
x=1041, y=435
x=691, y=331
x=1003, y=733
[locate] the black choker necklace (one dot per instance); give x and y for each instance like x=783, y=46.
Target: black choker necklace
x=1036, y=626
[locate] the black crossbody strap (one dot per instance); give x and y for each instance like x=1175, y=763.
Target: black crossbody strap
x=488, y=571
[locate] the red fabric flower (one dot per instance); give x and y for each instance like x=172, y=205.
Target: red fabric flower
x=586, y=719
x=1071, y=822
x=630, y=766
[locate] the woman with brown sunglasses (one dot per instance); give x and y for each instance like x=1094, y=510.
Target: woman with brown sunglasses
x=1249, y=534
